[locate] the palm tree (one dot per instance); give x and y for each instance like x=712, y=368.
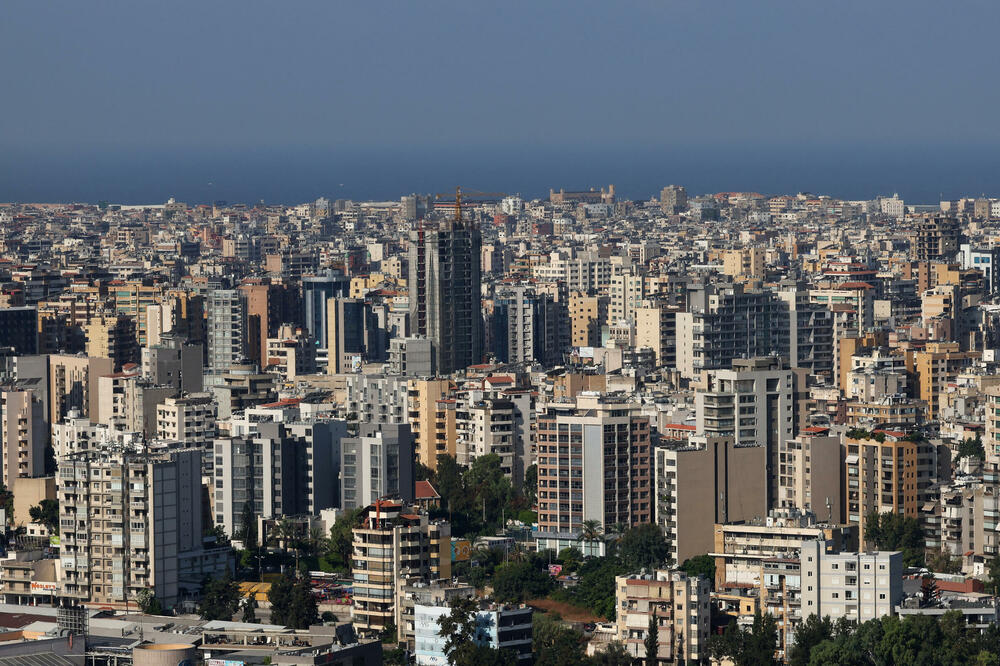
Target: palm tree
x=590, y=532
x=613, y=535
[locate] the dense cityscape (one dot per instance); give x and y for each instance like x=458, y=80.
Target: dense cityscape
x=469, y=428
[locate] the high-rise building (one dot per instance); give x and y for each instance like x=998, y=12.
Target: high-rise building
x=656, y=328
x=138, y=528
x=23, y=433
x=227, y=321
x=349, y=323
x=283, y=469
x=113, y=338
x=174, y=362
x=268, y=306
x=707, y=482
x=432, y=423
x=317, y=291
x=19, y=329
x=753, y=405
x=444, y=284
x=379, y=462
x=934, y=238
x=526, y=326
x=588, y=315
x=594, y=462
x=394, y=546
x=673, y=199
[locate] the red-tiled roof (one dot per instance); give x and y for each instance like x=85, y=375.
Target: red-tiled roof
x=814, y=429
x=287, y=402
x=424, y=490
x=679, y=426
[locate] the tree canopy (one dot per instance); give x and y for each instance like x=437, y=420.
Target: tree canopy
x=292, y=602
x=894, y=531
x=220, y=597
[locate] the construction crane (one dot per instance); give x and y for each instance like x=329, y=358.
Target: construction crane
x=459, y=193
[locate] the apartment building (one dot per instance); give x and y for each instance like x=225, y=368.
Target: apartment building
x=741, y=547
x=594, y=463
x=857, y=586
x=656, y=328
x=587, y=315
x=114, y=338
x=889, y=471
x=174, y=362
x=395, y=545
x=499, y=626
x=707, y=482
x=23, y=431
x=379, y=462
x=291, y=353
x=809, y=472
x=131, y=522
x=128, y=402
x=936, y=366
x=190, y=420
x=430, y=410
x=753, y=404
x=681, y=605
x=376, y=398
x=283, y=469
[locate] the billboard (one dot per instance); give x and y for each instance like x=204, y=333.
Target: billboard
x=461, y=550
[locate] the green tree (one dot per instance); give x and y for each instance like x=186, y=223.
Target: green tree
x=595, y=590
x=292, y=602
x=148, y=603
x=893, y=531
x=652, y=639
x=700, y=565
x=747, y=647
x=531, y=484
x=46, y=512
x=220, y=597
x=458, y=626
x=249, y=610
x=612, y=655
x=810, y=633
x=519, y=581
x=448, y=482
x=389, y=634
x=590, y=532
x=993, y=577
x=971, y=448
x=341, y=541
x=942, y=561
x=555, y=644
x=248, y=526
x=466, y=639
x=644, y=547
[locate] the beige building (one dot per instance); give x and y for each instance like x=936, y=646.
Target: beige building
x=938, y=365
x=682, y=608
x=809, y=474
x=656, y=328
x=709, y=482
x=587, y=314
x=430, y=411
x=131, y=522
x=113, y=338
x=740, y=548
x=190, y=420
x=23, y=434
x=882, y=473
x=394, y=546
x=747, y=262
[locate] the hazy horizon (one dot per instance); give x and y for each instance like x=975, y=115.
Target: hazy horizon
x=137, y=102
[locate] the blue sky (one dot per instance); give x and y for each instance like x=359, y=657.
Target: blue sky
x=80, y=79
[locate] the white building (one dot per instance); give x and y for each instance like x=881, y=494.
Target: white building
x=499, y=627
x=858, y=586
